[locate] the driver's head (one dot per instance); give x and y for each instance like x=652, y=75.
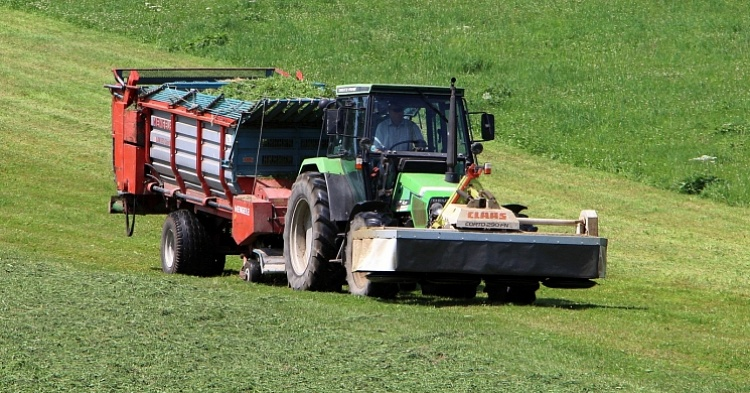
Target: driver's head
x=396, y=112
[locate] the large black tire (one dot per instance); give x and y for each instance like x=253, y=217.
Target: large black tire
x=214, y=266
x=358, y=282
x=310, y=237
x=184, y=245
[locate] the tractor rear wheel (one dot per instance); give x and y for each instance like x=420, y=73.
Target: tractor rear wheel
x=184, y=244
x=358, y=282
x=310, y=237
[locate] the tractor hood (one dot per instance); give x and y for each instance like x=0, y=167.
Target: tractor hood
x=426, y=184
x=415, y=192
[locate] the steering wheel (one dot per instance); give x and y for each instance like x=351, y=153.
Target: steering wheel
x=416, y=148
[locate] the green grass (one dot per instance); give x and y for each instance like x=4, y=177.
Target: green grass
x=629, y=88
x=121, y=331
x=84, y=308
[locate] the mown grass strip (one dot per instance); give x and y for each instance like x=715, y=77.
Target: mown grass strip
x=75, y=330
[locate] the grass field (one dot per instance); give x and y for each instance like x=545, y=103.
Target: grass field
x=634, y=89
x=83, y=308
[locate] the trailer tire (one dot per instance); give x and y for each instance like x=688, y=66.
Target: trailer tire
x=310, y=237
x=358, y=283
x=183, y=244
x=251, y=270
x=214, y=265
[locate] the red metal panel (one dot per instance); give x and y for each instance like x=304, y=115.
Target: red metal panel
x=128, y=140
x=133, y=163
x=128, y=149
x=133, y=127
x=276, y=191
x=251, y=216
x=117, y=143
x=163, y=106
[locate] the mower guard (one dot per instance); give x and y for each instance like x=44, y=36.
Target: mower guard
x=443, y=251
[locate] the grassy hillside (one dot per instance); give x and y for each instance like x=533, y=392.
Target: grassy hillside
x=629, y=88
x=83, y=308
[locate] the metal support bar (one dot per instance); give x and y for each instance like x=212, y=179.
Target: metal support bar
x=212, y=103
x=173, y=151
x=184, y=97
x=548, y=221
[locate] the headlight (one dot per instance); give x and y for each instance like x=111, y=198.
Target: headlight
x=435, y=210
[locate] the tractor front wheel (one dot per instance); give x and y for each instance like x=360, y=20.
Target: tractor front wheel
x=358, y=282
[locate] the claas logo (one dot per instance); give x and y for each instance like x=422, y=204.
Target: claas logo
x=487, y=215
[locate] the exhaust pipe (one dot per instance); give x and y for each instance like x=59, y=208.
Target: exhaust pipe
x=450, y=173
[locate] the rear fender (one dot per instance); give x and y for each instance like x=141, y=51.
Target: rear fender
x=345, y=184
x=345, y=191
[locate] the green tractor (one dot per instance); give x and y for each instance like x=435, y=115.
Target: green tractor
x=371, y=209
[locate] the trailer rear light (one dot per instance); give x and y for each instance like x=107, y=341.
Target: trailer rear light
x=358, y=163
x=487, y=168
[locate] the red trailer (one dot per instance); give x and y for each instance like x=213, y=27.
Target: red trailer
x=175, y=148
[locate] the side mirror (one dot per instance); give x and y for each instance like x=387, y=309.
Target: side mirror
x=477, y=148
x=488, y=127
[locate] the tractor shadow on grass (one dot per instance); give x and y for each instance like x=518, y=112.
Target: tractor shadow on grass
x=569, y=305
x=415, y=297
x=418, y=299
x=275, y=280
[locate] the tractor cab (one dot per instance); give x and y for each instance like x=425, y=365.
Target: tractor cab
x=411, y=143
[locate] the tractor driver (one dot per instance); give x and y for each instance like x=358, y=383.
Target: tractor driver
x=396, y=132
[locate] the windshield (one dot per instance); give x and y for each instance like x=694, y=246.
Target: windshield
x=415, y=123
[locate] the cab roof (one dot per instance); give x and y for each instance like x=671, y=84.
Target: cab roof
x=361, y=89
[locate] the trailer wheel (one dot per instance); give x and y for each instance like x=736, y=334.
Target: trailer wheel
x=214, y=265
x=251, y=271
x=183, y=244
x=358, y=282
x=310, y=237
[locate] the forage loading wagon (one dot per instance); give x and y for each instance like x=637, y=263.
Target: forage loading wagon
x=300, y=186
